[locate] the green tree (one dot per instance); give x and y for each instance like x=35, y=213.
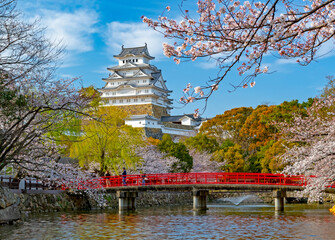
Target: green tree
x=233, y=158
x=202, y=142
x=227, y=125
x=106, y=140
x=177, y=150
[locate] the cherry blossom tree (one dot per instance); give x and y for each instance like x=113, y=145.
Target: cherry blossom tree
x=34, y=106
x=154, y=161
x=203, y=162
x=239, y=34
x=314, y=152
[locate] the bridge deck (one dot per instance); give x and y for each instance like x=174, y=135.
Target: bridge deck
x=186, y=181
x=190, y=187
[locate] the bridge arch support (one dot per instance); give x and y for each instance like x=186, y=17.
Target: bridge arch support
x=127, y=200
x=200, y=199
x=279, y=196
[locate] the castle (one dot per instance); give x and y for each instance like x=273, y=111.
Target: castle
x=138, y=87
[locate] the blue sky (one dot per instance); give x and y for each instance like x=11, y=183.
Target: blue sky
x=94, y=31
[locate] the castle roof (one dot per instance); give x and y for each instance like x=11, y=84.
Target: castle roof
x=106, y=89
x=131, y=66
x=177, y=118
x=136, y=51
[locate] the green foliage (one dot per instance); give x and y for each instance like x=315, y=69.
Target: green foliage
x=69, y=130
x=250, y=139
x=202, y=143
x=253, y=163
x=177, y=150
x=227, y=125
x=91, y=92
x=227, y=143
x=232, y=155
x=107, y=141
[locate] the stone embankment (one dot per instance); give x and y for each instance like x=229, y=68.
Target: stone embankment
x=9, y=210
x=12, y=205
x=243, y=197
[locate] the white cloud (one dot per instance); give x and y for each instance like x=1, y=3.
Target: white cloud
x=134, y=35
x=210, y=64
x=286, y=61
x=74, y=30
x=326, y=49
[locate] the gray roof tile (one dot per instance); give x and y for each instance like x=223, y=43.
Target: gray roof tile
x=135, y=51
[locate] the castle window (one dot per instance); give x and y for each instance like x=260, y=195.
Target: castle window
x=136, y=60
x=113, y=93
x=121, y=101
x=142, y=99
x=128, y=100
x=144, y=81
x=114, y=101
x=139, y=91
x=112, y=84
x=146, y=91
x=135, y=100
x=123, y=61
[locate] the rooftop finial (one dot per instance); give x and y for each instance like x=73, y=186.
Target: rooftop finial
x=122, y=46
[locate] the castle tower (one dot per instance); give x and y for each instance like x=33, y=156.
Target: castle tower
x=137, y=86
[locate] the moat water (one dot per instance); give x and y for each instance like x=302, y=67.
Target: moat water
x=219, y=222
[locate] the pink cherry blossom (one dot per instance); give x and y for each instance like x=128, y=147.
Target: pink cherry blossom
x=314, y=151
x=238, y=35
x=197, y=89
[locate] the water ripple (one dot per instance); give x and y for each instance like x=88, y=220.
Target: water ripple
x=219, y=222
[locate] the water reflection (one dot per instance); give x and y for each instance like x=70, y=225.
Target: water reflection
x=219, y=222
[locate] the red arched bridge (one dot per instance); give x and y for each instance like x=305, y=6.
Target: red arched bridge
x=201, y=178
x=127, y=187
x=170, y=180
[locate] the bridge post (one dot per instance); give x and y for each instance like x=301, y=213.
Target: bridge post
x=127, y=200
x=200, y=199
x=279, y=196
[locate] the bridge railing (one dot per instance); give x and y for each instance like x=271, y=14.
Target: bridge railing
x=198, y=178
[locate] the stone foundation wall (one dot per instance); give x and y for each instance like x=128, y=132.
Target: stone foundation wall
x=53, y=202
x=9, y=211
x=159, y=111
x=66, y=201
x=154, y=133
x=147, y=199
x=143, y=109
x=264, y=197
